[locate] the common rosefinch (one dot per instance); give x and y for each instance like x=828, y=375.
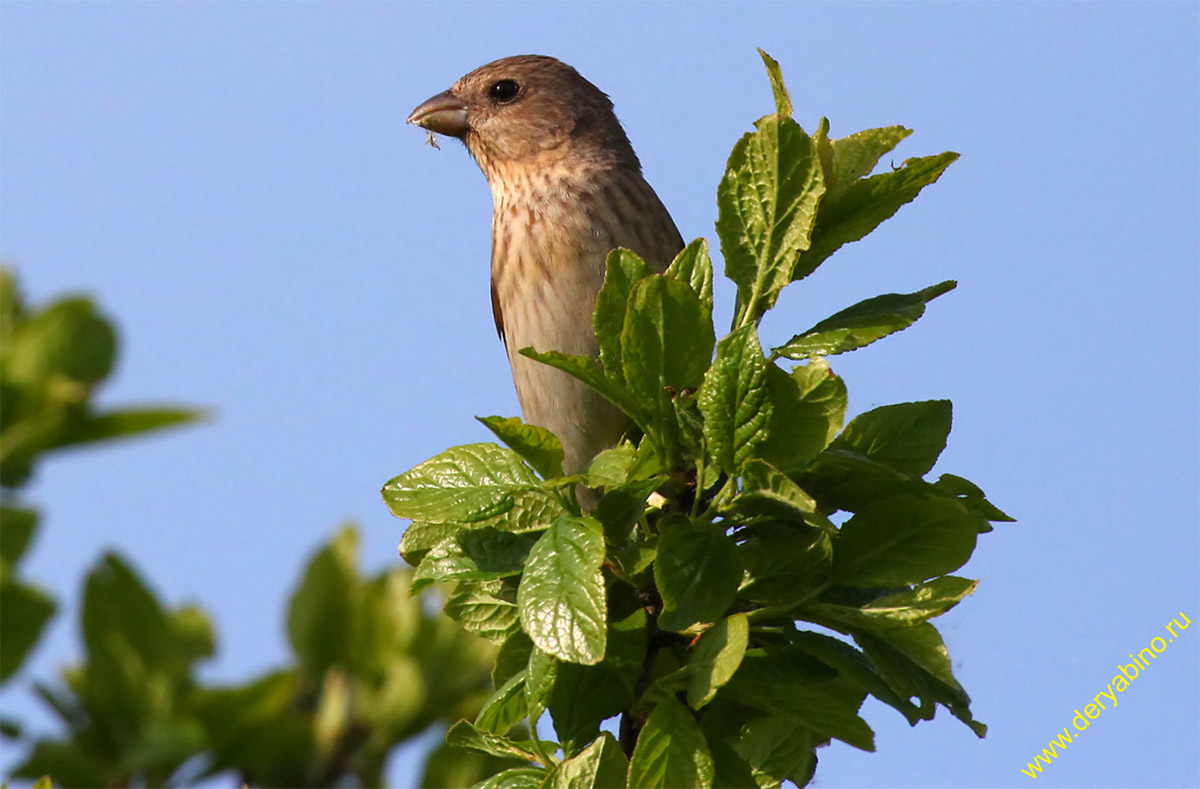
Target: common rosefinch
x=567, y=189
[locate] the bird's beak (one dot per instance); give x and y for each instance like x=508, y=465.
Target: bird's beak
x=444, y=113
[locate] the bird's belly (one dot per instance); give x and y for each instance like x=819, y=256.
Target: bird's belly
x=556, y=315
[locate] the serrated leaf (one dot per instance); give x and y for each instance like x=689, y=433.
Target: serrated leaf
x=467, y=735
x=768, y=492
x=693, y=266
x=779, y=683
x=611, y=466
x=473, y=555
x=907, y=437
x=541, y=675
x=671, y=751
x=624, y=268
x=903, y=540
x=485, y=610
x=734, y=399
x=537, y=446
x=666, y=347
x=512, y=778
x=856, y=155
x=862, y=324
x=512, y=657
x=465, y=483
x=585, y=696
x=601, y=765
x=807, y=410
x=767, y=205
x=562, y=597
x=697, y=572
x=505, y=707
x=716, y=658
x=971, y=496
x=865, y=204
x=783, y=102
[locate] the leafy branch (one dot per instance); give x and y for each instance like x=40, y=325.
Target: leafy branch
x=747, y=513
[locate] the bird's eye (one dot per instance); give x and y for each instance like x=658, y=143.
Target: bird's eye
x=504, y=91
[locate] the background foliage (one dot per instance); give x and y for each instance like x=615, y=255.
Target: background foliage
x=371, y=667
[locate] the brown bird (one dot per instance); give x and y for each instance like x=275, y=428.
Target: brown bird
x=567, y=189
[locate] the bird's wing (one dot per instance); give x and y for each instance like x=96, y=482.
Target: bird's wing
x=497, y=313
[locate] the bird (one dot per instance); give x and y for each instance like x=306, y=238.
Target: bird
x=567, y=188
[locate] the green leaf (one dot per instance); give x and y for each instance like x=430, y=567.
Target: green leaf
x=784, y=563
x=972, y=497
x=910, y=607
x=487, y=610
x=473, y=555
x=512, y=778
x=24, y=613
x=17, y=526
x=857, y=155
x=624, y=268
x=845, y=480
x=541, y=676
x=779, y=747
x=610, y=467
x=666, y=346
x=126, y=422
x=601, y=765
x=915, y=662
x=68, y=339
x=902, y=540
x=862, y=324
x=505, y=708
x=622, y=506
x=906, y=436
x=589, y=371
x=693, y=266
x=585, y=696
x=716, y=658
x=768, y=492
x=855, y=666
x=923, y=601
x=767, y=205
x=562, y=598
x=780, y=683
x=671, y=751
x=697, y=572
x=783, y=102
x=734, y=399
x=537, y=446
x=512, y=657
x=467, y=735
x=421, y=536
x=319, y=614
x=466, y=483
x=807, y=409
x=864, y=205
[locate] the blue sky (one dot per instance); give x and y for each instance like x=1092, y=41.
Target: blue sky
x=235, y=184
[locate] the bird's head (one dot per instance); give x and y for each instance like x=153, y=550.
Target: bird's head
x=528, y=111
